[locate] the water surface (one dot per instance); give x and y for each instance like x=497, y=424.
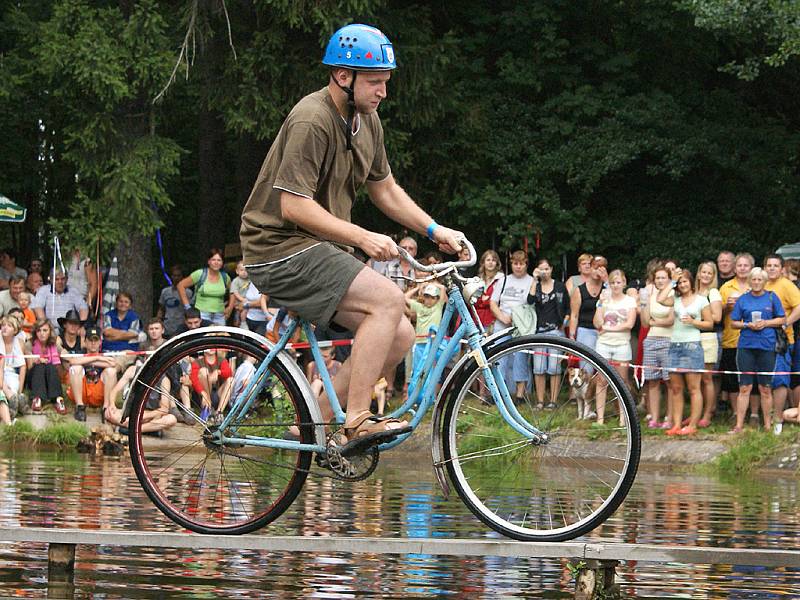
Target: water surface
x=402, y=499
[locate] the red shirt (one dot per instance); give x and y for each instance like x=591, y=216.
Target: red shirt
x=224, y=371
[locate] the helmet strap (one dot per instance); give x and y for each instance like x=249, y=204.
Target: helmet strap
x=351, y=108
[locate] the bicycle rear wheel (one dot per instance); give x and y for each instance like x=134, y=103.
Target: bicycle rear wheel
x=202, y=484
x=549, y=487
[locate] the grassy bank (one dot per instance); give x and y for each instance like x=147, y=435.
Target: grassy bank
x=61, y=434
x=752, y=449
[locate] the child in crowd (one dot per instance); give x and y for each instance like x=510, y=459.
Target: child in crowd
x=28, y=316
x=16, y=312
x=44, y=380
x=238, y=290
x=425, y=314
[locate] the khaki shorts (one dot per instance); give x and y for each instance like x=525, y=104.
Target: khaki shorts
x=311, y=283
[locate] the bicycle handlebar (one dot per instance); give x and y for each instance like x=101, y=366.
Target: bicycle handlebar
x=473, y=258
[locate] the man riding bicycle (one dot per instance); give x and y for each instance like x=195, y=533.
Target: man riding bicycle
x=296, y=233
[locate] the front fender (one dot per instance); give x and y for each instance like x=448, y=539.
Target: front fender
x=242, y=334
x=438, y=410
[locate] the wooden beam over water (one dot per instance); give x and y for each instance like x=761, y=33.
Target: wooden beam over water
x=596, y=550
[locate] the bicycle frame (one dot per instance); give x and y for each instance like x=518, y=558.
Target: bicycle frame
x=420, y=397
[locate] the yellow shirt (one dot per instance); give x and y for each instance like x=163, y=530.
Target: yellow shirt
x=730, y=336
x=790, y=299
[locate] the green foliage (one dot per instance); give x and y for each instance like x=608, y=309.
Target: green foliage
x=102, y=68
x=750, y=449
x=576, y=568
x=606, y=127
x=770, y=27
x=60, y=433
x=18, y=431
x=64, y=434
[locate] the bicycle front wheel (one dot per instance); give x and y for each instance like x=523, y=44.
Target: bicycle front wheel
x=558, y=473
x=201, y=483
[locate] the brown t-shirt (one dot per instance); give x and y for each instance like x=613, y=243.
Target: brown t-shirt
x=309, y=157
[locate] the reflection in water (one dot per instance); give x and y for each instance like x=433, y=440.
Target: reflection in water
x=67, y=490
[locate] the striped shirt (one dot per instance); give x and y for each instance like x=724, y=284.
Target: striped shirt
x=57, y=305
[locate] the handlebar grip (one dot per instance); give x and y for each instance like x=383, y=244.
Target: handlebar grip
x=473, y=257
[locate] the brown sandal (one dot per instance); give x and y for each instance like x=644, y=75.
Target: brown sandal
x=366, y=430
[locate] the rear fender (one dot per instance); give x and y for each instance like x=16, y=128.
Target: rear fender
x=242, y=334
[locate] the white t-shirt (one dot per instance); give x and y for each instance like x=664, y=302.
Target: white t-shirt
x=616, y=313
x=241, y=378
x=681, y=332
x=513, y=292
x=252, y=295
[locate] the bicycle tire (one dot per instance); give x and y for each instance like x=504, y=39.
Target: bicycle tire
x=206, y=487
x=555, y=491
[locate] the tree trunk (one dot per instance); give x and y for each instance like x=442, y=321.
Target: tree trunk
x=135, y=260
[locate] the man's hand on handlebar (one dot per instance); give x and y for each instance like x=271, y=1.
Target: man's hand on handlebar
x=378, y=246
x=448, y=240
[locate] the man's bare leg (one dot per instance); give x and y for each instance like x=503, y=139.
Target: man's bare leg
x=373, y=308
x=779, y=396
x=109, y=379
x=76, y=384
x=224, y=393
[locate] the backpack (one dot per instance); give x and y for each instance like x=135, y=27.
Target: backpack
x=523, y=318
x=226, y=280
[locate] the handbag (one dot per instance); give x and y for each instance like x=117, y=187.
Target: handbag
x=781, y=339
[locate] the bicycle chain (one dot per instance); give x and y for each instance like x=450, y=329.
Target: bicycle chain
x=354, y=468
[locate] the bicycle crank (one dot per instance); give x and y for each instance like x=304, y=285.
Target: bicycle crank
x=351, y=468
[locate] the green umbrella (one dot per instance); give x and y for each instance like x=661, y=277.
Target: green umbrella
x=789, y=250
x=11, y=212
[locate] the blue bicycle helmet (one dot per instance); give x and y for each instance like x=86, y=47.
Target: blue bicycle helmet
x=360, y=47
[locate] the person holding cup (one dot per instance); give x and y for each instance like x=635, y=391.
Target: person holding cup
x=756, y=314
x=729, y=294
x=643, y=296
x=658, y=315
x=614, y=319
x=692, y=316
x=550, y=300
x=706, y=286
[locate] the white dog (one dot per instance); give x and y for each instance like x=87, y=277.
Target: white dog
x=579, y=390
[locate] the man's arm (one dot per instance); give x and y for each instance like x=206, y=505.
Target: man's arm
x=309, y=215
x=81, y=360
x=395, y=203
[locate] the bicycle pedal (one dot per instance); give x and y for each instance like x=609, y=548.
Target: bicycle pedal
x=361, y=445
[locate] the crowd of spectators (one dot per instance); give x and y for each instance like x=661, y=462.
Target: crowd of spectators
x=667, y=333
x=670, y=332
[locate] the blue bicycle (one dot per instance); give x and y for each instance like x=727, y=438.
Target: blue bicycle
x=530, y=470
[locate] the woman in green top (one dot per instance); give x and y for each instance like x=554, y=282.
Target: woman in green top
x=210, y=287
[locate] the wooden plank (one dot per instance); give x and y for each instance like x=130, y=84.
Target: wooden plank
x=694, y=554
x=360, y=545
x=444, y=547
